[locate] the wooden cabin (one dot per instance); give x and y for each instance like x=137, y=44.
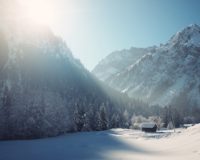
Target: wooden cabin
x=149, y=127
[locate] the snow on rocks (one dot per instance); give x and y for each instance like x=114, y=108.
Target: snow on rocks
x=161, y=71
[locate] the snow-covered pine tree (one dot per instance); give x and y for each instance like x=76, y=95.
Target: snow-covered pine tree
x=103, y=117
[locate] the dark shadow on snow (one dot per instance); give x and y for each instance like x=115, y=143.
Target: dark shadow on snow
x=87, y=145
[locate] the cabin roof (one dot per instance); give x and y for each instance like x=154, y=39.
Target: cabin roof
x=188, y=125
x=148, y=125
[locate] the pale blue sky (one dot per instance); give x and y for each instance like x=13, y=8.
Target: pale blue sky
x=94, y=28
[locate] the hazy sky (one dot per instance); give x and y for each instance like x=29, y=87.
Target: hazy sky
x=94, y=28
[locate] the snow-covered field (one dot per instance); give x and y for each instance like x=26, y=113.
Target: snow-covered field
x=116, y=144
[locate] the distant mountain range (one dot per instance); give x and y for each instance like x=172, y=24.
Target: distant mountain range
x=165, y=74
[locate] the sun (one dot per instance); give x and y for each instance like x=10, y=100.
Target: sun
x=39, y=11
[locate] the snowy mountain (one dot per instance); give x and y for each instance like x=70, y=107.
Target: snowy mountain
x=44, y=90
x=169, y=74
x=118, y=61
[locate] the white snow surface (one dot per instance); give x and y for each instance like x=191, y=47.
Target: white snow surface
x=115, y=144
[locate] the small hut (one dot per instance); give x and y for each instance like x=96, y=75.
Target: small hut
x=149, y=127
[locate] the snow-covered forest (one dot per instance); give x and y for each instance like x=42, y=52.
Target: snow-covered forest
x=45, y=91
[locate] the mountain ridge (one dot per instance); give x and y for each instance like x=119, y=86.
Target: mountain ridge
x=165, y=73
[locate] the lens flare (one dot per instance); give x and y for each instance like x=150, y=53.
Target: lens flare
x=39, y=11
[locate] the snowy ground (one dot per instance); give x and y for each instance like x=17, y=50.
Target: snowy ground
x=115, y=144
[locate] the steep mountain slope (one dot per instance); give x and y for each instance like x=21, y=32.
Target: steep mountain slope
x=44, y=90
x=168, y=75
x=118, y=61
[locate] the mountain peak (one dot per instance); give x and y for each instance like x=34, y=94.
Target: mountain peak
x=191, y=30
x=176, y=76
x=193, y=26
x=188, y=36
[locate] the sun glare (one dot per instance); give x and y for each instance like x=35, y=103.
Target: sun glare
x=39, y=11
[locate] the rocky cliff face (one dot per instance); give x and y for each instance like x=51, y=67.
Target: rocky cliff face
x=165, y=75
